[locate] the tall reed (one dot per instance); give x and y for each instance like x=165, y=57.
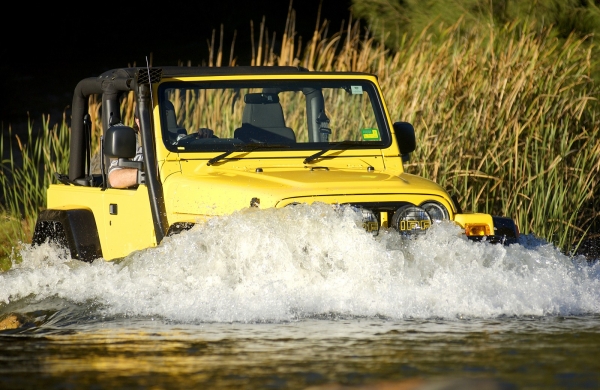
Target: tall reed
x=507, y=123
x=506, y=120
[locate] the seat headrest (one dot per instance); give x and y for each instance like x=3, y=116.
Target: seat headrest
x=263, y=110
x=171, y=118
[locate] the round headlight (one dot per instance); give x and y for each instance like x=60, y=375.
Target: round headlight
x=369, y=221
x=436, y=211
x=411, y=219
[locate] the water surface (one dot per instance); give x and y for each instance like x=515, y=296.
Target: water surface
x=303, y=298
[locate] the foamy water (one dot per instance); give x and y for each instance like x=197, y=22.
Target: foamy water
x=300, y=262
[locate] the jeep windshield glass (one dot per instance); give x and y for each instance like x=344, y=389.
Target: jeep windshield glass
x=307, y=114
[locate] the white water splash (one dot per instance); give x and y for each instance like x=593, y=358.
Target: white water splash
x=306, y=261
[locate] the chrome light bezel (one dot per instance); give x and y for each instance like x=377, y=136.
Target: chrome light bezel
x=436, y=211
x=369, y=219
x=411, y=219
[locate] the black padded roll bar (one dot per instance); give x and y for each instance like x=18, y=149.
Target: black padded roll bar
x=110, y=84
x=155, y=189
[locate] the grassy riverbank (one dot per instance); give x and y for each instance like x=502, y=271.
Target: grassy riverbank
x=507, y=121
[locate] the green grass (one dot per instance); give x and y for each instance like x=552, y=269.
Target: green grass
x=506, y=121
x=23, y=184
x=11, y=232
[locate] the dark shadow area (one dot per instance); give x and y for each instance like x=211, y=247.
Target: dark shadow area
x=52, y=49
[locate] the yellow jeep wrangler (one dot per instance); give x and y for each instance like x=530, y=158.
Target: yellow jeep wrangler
x=280, y=136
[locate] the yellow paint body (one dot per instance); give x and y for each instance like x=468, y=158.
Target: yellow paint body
x=129, y=230
x=194, y=190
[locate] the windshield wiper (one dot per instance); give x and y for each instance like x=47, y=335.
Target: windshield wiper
x=246, y=148
x=333, y=146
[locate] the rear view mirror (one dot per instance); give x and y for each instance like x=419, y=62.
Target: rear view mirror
x=261, y=98
x=120, y=142
x=405, y=134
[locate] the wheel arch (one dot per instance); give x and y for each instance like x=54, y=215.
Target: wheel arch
x=75, y=229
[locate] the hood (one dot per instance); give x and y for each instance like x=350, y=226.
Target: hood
x=217, y=191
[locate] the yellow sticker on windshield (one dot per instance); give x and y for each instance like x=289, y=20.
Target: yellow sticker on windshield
x=370, y=134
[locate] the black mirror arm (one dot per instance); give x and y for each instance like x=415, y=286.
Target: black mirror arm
x=125, y=163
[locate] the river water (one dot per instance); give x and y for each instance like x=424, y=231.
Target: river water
x=303, y=298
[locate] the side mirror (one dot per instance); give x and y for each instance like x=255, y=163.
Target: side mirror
x=120, y=142
x=405, y=134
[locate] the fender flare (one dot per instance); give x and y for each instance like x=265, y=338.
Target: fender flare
x=505, y=230
x=75, y=229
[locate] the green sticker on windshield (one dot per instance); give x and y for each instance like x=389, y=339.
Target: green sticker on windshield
x=370, y=134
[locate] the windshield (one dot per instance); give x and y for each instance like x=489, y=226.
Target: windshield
x=290, y=114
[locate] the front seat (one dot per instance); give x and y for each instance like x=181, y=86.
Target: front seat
x=173, y=129
x=262, y=120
